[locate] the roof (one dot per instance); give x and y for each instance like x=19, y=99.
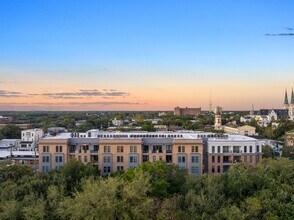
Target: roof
x=280, y=112
x=59, y=136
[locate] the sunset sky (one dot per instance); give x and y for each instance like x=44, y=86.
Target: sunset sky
x=145, y=55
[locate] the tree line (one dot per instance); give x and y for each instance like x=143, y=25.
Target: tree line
x=150, y=191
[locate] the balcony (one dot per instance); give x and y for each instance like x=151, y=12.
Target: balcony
x=94, y=151
x=145, y=151
x=169, y=151
x=237, y=152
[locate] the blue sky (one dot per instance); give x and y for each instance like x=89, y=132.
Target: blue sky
x=137, y=46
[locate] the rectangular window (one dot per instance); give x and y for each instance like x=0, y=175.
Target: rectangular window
x=195, y=159
x=60, y=159
x=106, y=169
x=213, y=159
x=120, y=149
x=196, y=149
x=218, y=159
x=168, y=149
x=96, y=148
x=257, y=148
x=218, y=169
x=133, y=149
x=250, y=149
x=181, y=159
x=106, y=159
x=194, y=169
x=60, y=148
x=213, y=149
x=56, y=159
x=120, y=159
x=212, y=169
x=181, y=149
x=154, y=158
x=133, y=159
x=106, y=149
x=226, y=149
x=44, y=159
x=56, y=148
x=245, y=149
x=250, y=158
x=218, y=149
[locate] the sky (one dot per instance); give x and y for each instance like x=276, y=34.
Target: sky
x=145, y=55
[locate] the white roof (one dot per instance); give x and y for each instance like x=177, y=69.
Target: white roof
x=59, y=136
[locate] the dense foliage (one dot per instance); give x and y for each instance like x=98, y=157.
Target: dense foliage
x=151, y=191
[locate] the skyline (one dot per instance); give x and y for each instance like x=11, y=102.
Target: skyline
x=147, y=55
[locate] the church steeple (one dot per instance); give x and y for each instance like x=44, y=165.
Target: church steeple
x=286, y=102
x=292, y=98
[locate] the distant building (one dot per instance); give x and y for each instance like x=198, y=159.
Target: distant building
x=4, y=120
x=56, y=130
x=242, y=130
x=223, y=153
x=117, y=122
x=161, y=114
x=187, y=111
x=30, y=138
x=7, y=144
x=160, y=127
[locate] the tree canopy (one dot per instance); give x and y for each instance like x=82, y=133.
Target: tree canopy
x=151, y=191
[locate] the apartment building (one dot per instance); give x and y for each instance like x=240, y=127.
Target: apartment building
x=197, y=152
x=221, y=153
x=118, y=151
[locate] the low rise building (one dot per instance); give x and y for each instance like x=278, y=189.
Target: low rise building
x=187, y=111
x=242, y=130
x=5, y=120
x=30, y=138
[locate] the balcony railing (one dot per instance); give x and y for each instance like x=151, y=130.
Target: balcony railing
x=237, y=151
x=169, y=151
x=145, y=151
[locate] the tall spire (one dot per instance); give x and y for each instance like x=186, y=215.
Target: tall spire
x=292, y=98
x=286, y=101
